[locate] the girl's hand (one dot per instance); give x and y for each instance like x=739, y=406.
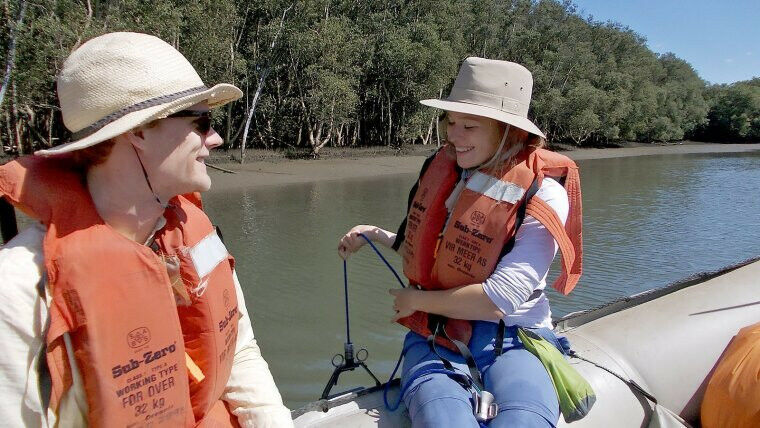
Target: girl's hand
x=351, y=242
x=404, y=302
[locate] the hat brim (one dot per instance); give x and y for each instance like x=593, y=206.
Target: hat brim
x=478, y=110
x=217, y=96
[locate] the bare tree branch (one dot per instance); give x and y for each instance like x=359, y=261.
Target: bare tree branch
x=12, y=50
x=86, y=25
x=260, y=87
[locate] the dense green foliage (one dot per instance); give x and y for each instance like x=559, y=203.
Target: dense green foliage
x=351, y=72
x=734, y=113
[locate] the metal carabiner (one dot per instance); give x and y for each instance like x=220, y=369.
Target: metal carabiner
x=483, y=406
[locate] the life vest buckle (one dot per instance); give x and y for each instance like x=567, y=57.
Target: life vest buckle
x=483, y=406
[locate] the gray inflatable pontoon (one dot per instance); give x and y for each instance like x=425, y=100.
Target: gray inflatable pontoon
x=667, y=340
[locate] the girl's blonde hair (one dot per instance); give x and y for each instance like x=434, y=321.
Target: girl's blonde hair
x=513, y=141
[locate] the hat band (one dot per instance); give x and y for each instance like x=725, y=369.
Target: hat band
x=503, y=103
x=142, y=105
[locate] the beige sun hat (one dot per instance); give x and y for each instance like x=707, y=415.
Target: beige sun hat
x=120, y=81
x=500, y=90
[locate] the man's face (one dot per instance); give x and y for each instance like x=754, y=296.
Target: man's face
x=176, y=149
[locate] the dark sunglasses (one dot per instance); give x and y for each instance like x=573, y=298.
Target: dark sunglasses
x=202, y=122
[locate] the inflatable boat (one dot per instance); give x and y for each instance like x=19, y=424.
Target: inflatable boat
x=666, y=340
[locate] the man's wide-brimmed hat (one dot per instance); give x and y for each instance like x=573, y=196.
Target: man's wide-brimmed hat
x=120, y=81
x=500, y=90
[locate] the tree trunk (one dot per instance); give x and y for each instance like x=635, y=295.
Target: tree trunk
x=567, y=77
x=51, y=117
x=339, y=135
x=300, y=134
x=228, y=131
x=260, y=86
x=323, y=142
x=426, y=139
x=9, y=128
x=86, y=25
x=437, y=123
x=9, y=63
x=390, y=119
x=15, y=120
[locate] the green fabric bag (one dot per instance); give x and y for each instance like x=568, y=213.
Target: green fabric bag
x=574, y=393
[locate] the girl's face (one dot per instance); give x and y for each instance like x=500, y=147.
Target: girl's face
x=475, y=138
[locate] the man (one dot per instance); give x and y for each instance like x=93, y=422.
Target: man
x=121, y=307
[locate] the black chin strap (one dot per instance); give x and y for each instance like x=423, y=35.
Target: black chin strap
x=147, y=180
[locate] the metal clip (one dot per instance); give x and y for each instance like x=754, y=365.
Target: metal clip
x=483, y=406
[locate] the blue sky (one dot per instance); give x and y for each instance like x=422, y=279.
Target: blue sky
x=720, y=39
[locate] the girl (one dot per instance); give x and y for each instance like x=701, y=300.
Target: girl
x=485, y=220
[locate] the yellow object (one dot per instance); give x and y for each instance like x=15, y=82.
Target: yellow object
x=195, y=372
x=732, y=398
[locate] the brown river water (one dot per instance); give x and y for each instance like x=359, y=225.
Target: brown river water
x=649, y=221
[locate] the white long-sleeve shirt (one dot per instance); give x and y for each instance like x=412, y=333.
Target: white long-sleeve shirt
x=523, y=270
x=251, y=393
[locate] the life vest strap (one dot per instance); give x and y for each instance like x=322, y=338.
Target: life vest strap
x=571, y=266
x=59, y=372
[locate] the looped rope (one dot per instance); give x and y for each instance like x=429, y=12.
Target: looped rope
x=398, y=278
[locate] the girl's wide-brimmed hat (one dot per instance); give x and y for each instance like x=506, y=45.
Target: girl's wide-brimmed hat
x=120, y=81
x=500, y=90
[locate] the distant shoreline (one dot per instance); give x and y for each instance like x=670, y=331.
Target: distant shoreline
x=262, y=173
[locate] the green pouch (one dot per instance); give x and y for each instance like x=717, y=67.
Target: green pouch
x=573, y=391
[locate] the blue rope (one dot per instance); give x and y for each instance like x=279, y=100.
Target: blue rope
x=387, y=384
x=420, y=373
x=345, y=293
x=345, y=282
x=403, y=351
x=404, y=388
x=383, y=259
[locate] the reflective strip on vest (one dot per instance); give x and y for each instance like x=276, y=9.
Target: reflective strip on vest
x=207, y=254
x=495, y=188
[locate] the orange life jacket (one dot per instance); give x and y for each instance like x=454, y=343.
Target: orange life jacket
x=732, y=397
x=144, y=358
x=482, y=222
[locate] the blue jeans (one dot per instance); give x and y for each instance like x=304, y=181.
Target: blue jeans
x=517, y=379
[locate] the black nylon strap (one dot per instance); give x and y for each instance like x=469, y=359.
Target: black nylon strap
x=498, y=346
x=438, y=323
x=532, y=190
x=219, y=232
